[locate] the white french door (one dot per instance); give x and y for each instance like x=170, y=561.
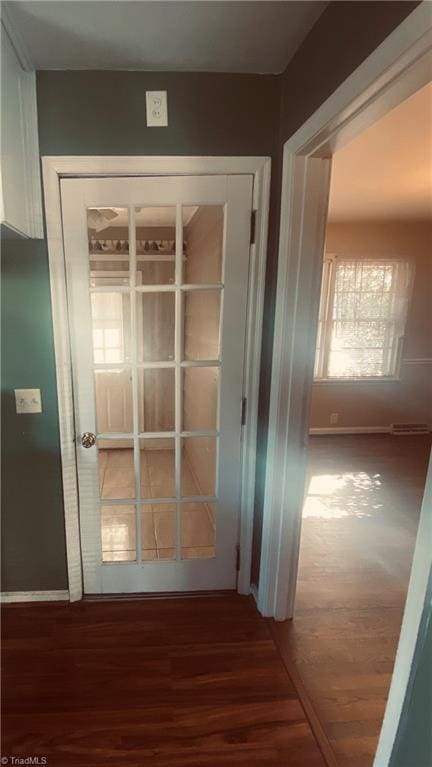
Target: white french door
x=157, y=276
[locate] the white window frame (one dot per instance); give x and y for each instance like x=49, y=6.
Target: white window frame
x=54, y=169
x=327, y=297
x=99, y=324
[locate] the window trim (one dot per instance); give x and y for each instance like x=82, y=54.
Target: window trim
x=371, y=380
x=331, y=259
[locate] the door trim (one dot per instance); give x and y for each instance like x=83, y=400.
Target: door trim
x=56, y=168
x=395, y=70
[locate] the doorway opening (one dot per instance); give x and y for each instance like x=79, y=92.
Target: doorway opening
x=395, y=71
x=370, y=426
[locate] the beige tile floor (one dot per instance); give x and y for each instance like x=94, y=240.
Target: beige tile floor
x=158, y=520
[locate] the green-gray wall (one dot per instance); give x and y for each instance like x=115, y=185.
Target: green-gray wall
x=103, y=113
x=413, y=744
x=95, y=113
x=33, y=545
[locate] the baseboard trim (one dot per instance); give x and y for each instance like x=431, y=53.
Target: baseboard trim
x=321, y=738
x=7, y=597
x=152, y=596
x=350, y=430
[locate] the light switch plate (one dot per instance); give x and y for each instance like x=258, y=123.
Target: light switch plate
x=28, y=401
x=157, y=109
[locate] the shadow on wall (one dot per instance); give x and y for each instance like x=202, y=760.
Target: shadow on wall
x=33, y=538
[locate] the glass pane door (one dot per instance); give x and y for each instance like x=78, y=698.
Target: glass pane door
x=156, y=314
x=155, y=273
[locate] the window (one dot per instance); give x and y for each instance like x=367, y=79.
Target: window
x=362, y=317
x=108, y=338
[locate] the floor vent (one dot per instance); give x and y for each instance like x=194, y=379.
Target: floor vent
x=410, y=428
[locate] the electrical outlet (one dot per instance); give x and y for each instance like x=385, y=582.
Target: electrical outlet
x=157, y=109
x=28, y=401
x=334, y=418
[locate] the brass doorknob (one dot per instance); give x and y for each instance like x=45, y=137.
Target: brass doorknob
x=88, y=439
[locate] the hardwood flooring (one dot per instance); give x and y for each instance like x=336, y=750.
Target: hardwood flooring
x=359, y=526
x=181, y=682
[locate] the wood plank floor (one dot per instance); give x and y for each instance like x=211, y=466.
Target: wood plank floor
x=359, y=527
x=166, y=683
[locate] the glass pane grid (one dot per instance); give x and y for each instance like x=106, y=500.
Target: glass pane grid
x=158, y=462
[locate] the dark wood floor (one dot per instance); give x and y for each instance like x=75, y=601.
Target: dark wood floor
x=167, y=683
x=359, y=527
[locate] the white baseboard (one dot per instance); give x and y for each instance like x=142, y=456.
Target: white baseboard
x=350, y=430
x=33, y=596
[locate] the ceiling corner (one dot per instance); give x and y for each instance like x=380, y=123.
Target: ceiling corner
x=17, y=42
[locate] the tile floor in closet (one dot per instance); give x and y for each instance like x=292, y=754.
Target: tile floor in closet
x=158, y=520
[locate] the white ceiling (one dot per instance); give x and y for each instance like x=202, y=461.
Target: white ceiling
x=386, y=172
x=207, y=36
x=103, y=218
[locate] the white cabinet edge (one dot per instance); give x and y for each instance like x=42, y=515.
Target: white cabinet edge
x=31, y=224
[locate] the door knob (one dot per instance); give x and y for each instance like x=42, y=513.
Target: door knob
x=88, y=439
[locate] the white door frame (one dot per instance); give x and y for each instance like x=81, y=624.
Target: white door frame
x=394, y=71
x=55, y=168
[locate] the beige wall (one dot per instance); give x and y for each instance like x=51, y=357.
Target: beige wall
x=204, y=236
x=380, y=403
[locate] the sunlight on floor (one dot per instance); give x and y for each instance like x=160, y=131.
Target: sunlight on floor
x=334, y=496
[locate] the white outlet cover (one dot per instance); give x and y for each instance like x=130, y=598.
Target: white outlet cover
x=157, y=109
x=28, y=401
